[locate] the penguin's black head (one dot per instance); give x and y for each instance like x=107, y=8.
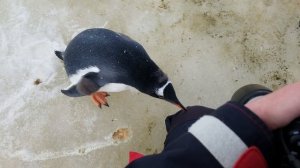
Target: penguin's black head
x=167, y=92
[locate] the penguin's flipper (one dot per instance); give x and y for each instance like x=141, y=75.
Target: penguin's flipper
x=59, y=54
x=86, y=86
x=71, y=91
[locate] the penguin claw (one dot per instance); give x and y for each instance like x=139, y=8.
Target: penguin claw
x=105, y=94
x=99, y=98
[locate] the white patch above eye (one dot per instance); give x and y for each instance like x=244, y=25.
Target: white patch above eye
x=160, y=91
x=75, y=78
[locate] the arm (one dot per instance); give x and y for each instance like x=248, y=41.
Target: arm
x=215, y=140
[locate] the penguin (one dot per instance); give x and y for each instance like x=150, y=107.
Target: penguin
x=99, y=60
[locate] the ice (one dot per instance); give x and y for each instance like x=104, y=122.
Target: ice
x=207, y=48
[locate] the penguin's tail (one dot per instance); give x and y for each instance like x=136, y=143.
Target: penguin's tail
x=59, y=54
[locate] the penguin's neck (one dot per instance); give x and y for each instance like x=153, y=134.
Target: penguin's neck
x=157, y=80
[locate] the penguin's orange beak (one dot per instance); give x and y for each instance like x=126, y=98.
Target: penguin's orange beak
x=170, y=96
x=181, y=106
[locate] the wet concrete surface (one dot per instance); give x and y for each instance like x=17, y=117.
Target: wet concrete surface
x=207, y=48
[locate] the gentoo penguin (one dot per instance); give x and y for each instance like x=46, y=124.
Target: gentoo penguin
x=99, y=60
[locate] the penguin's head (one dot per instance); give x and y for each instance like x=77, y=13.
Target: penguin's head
x=167, y=92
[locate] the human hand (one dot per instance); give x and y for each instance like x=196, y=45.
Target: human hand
x=279, y=108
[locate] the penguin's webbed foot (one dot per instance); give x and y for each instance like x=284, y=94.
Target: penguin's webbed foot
x=99, y=98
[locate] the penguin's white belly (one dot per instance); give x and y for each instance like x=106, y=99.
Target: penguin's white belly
x=116, y=87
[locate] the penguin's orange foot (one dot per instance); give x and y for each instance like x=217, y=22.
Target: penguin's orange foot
x=99, y=98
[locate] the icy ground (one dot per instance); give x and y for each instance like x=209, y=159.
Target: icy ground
x=208, y=48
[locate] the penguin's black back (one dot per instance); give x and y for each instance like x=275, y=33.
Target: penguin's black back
x=119, y=58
